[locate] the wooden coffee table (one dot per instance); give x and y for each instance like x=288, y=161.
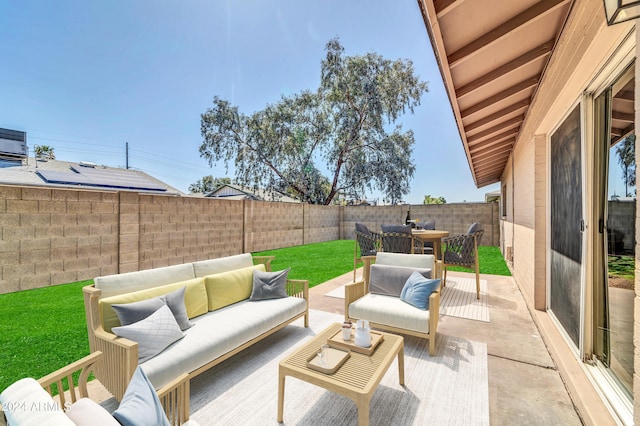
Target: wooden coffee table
x=357, y=379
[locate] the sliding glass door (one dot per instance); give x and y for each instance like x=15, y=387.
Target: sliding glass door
x=614, y=254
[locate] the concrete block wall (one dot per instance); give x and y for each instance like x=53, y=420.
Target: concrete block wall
x=175, y=230
x=272, y=225
x=53, y=236
x=57, y=236
x=321, y=223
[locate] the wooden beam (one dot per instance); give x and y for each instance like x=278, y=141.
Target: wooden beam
x=623, y=116
x=490, y=149
x=497, y=151
x=529, y=16
x=513, y=90
x=495, y=157
x=498, y=115
x=519, y=62
x=443, y=7
x=498, y=137
x=515, y=121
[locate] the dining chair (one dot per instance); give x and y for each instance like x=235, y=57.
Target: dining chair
x=462, y=250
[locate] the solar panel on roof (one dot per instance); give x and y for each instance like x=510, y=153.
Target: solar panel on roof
x=105, y=178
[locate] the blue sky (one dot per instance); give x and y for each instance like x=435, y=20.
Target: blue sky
x=87, y=77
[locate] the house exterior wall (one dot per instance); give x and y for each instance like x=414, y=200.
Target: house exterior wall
x=579, y=61
x=57, y=236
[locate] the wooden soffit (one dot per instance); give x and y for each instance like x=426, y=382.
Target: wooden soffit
x=492, y=55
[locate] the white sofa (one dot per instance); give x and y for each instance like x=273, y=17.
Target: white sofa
x=377, y=297
x=224, y=320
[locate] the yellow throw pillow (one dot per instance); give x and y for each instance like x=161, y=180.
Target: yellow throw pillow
x=230, y=287
x=195, y=299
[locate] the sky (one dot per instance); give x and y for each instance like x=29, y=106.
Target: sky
x=88, y=77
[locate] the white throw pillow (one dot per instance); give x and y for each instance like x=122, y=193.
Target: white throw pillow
x=153, y=333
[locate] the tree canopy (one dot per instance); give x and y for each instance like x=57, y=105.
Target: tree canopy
x=428, y=199
x=313, y=145
x=45, y=150
x=208, y=184
x=626, y=151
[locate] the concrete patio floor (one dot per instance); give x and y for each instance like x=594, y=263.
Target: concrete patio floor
x=525, y=384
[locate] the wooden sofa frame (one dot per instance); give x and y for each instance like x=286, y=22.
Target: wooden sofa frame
x=121, y=355
x=354, y=291
x=174, y=396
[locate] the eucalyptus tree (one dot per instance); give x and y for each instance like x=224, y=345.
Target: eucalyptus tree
x=339, y=139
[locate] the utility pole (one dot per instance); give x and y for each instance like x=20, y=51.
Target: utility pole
x=127, y=155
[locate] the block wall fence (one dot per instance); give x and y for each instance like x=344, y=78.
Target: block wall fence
x=56, y=236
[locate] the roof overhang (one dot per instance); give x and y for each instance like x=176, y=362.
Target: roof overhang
x=492, y=56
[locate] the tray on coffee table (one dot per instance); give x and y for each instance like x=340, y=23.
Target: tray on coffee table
x=336, y=341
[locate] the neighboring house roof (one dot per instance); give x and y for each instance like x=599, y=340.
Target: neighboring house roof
x=236, y=192
x=493, y=196
x=65, y=174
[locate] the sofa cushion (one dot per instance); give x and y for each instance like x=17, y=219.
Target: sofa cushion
x=403, y=259
x=417, y=289
x=390, y=280
x=219, y=332
x=86, y=412
x=140, y=280
x=391, y=311
x=140, y=404
x=230, y=287
x=153, y=333
x=223, y=264
x=128, y=313
x=195, y=299
x=269, y=285
x=25, y=402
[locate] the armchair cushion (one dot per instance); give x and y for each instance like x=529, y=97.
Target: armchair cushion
x=417, y=290
x=153, y=333
x=128, y=313
x=25, y=402
x=390, y=280
x=408, y=260
x=140, y=404
x=86, y=412
x=269, y=285
x=391, y=311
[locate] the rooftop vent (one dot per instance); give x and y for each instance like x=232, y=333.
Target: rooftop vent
x=88, y=164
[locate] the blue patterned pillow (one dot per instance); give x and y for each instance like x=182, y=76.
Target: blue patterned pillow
x=417, y=289
x=140, y=404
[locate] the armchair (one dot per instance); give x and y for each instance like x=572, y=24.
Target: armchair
x=462, y=250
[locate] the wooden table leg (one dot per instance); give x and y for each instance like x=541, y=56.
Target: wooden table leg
x=281, y=378
x=363, y=409
x=401, y=365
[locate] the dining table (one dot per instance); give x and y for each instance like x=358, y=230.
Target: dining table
x=434, y=236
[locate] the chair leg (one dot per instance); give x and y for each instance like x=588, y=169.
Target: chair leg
x=477, y=279
x=444, y=280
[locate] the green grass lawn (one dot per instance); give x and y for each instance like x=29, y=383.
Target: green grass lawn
x=42, y=330
x=45, y=329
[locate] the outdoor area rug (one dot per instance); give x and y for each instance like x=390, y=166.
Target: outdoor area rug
x=458, y=299
x=448, y=388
